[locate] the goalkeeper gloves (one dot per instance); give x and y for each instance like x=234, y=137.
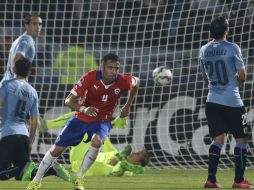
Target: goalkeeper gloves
x=122, y=155
x=126, y=151
x=119, y=122
x=126, y=166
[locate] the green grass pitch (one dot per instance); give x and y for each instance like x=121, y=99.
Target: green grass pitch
x=152, y=179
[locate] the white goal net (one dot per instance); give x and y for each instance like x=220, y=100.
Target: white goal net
x=168, y=121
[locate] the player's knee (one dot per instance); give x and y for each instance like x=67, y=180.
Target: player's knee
x=96, y=141
x=96, y=144
x=56, y=151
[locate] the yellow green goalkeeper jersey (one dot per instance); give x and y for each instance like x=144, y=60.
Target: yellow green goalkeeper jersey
x=100, y=166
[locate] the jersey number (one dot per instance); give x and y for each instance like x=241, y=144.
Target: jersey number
x=20, y=109
x=104, y=98
x=219, y=68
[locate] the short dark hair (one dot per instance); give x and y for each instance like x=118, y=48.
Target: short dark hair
x=29, y=17
x=146, y=158
x=23, y=67
x=110, y=56
x=218, y=27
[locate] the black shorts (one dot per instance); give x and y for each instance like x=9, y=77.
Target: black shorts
x=14, y=151
x=224, y=119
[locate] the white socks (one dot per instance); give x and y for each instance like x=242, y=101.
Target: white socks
x=88, y=160
x=44, y=166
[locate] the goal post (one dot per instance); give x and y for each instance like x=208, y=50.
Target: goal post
x=168, y=121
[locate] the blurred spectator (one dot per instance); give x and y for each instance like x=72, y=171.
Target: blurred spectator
x=72, y=64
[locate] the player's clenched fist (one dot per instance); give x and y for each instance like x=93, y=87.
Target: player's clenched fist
x=90, y=111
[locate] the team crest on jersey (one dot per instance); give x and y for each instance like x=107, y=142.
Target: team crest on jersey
x=117, y=90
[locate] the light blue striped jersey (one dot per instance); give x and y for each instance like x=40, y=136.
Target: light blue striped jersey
x=20, y=101
x=221, y=61
x=24, y=45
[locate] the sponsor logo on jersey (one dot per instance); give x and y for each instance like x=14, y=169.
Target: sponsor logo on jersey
x=117, y=90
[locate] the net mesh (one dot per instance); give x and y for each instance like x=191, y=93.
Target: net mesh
x=168, y=121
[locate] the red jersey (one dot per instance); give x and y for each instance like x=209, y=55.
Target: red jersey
x=95, y=93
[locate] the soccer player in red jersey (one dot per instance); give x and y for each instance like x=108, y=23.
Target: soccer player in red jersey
x=94, y=97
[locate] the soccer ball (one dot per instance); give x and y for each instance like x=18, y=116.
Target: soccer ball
x=162, y=76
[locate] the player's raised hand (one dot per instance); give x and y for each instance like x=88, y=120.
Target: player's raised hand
x=90, y=111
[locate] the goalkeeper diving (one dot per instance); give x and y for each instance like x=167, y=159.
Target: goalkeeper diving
x=109, y=162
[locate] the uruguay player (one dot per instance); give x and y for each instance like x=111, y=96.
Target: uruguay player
x=222, y=65
x=24, y=45
x=94, y=98
x=18, y=99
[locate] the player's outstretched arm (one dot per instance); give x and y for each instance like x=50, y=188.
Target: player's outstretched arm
x=126, y=108
x=58, y=122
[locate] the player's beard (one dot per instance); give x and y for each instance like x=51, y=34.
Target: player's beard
x=108, y=80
